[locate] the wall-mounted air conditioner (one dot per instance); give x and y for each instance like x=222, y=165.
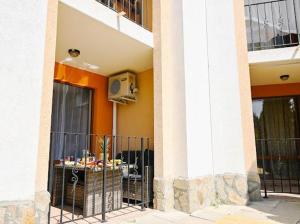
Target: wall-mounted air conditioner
x=122, y=88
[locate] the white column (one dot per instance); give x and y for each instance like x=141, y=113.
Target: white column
x=22, y=42
x=197, y=89
x=182, y=75
x=225, y=98
x=202, y=101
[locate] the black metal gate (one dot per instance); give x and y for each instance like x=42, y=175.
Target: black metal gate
x=91, y=175
x=278, y=163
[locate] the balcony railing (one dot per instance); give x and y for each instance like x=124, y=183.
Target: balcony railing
x=91, y=175
x=138, y=11
x=272, y=24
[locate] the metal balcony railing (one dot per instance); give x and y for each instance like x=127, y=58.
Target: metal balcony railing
x=278, y=162
x=272, y=23
x=91, y=175
x=138, y=11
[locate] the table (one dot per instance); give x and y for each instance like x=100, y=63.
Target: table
x=88, y=188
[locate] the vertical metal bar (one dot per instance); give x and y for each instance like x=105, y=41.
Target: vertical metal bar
x=135, y=171
x=272, y=168
x=128, y=171
x=74, y=178
x=296, y=21
x=280, y=173
x=104, y=180
x=143, y=172
x=121, y=167
x=85, y=175
x=257, y=11
x=147, y=173
x=93, y=171
x=129, y=9
x=288, y=21
x=113, y=172
x=142, y=13
x=135, y=10
x=280, y=16
x=251, y=27
x=297, y=160
x=146, y=15
x=275, y=41
x=63, y=180
x=288, y=164
x=51, y=171
x=264, y=173
x=265, y=21
x=147, y=186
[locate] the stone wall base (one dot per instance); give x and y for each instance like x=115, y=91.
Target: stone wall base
x=29, y=212
x=231, y=189
x=192, y=194
x=189, y=195
x=254, y=187
x=163, y=194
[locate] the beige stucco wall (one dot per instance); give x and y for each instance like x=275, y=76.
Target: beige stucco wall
x=136, y=119
x=245, y=88
x=169, y=87
x=46, y=101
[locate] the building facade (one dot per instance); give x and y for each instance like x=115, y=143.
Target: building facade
x=217, y=95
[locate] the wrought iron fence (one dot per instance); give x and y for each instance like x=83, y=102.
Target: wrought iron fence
x=134, y=10
x=278, y=163
x=91, y=175
x=272, y=23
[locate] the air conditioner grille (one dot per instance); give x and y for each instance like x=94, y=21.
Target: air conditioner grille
x=115, y=86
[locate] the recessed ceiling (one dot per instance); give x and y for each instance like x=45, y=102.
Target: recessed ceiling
x=269, y=73
x=103, y=50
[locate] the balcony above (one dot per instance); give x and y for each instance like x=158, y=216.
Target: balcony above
x=272, y=23
x=108, y=42
x=115, y=19
x=138, y=11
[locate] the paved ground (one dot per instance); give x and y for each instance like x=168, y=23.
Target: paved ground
x=276, y=209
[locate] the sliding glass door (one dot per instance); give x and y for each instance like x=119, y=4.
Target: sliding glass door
x=276, y=122
x=71, y=113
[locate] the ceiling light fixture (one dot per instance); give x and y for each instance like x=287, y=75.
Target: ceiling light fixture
x=284, y=77
x=74, y=52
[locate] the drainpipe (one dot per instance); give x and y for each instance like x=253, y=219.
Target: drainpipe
x=114, y=129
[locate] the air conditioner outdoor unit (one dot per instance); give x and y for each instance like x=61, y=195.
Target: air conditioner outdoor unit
x=122, y=88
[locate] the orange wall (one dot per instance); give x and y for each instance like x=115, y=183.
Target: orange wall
x=275, y=90
x=102, y=108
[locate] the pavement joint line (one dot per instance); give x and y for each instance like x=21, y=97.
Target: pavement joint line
x=276, y=206
x=204, y=218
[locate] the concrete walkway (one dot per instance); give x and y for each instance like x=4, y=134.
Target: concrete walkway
x=276, y=209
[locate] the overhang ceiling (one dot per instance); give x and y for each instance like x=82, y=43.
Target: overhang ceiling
x=103, y=50
x=269, y=73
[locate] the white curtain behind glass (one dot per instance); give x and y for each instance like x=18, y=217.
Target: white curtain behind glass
x=271, y=19
x=71, y=115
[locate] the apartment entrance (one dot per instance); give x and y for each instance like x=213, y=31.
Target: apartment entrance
x=92, y=174
x=277, y=133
